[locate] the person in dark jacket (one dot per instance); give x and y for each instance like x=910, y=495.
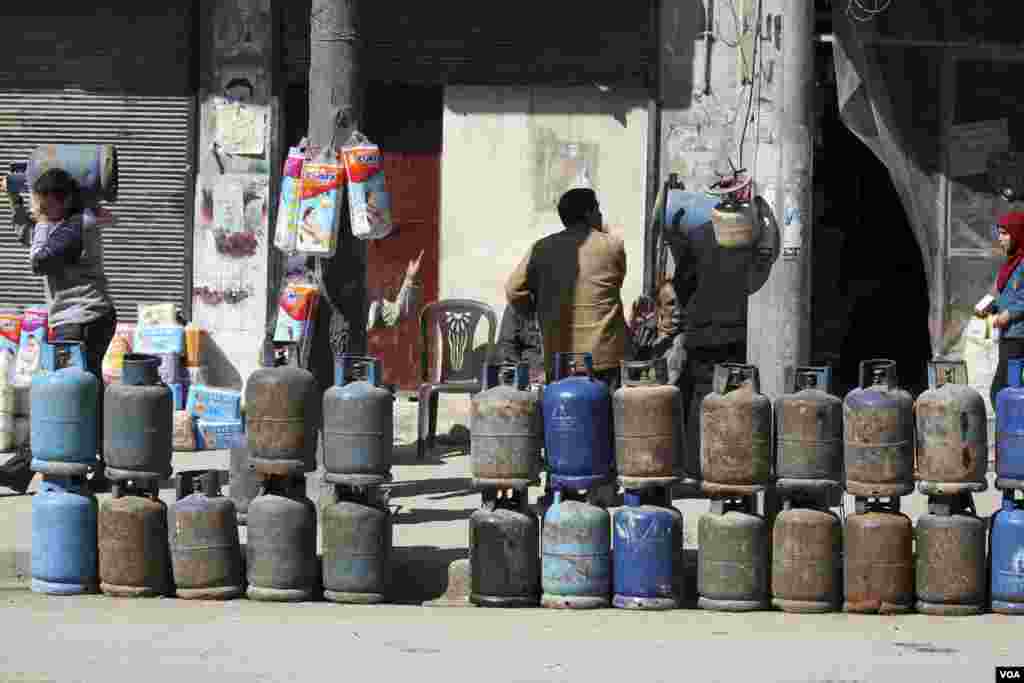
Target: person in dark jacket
x=65, y=242
x=713, y=285
x=1008, y=291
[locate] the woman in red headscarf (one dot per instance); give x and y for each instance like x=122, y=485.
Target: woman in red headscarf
x=1008, y=306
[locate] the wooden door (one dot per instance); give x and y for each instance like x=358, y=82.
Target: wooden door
x=414, y=180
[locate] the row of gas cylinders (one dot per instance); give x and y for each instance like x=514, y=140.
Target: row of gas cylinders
x=589, y=559
x=134, y=545
x=866, y=442
x=282, y=419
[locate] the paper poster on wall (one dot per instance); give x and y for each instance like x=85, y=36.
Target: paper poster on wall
x=240, y=128
x=228, y=211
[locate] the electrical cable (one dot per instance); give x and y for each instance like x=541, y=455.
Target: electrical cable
x=754, y=74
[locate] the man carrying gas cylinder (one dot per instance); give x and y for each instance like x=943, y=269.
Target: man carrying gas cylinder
x=712, y=283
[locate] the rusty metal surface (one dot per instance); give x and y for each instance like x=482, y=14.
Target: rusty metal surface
x=358, y=430
x=279, y=404
x=356, y=548
x=506, y=436
x=879, y=441
x=504, y=550
x=206, y=557
x=951, y=559
x=879, y=562
x=809, y=425
x=732, y=562
x=138, y=422
x=134, y=556
x=952, y=435
x=281, y=540
x=807, y=557
x=648, y=431
x=736, y=437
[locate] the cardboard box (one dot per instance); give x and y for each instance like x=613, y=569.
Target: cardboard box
x=214, y=435
x=209, y=403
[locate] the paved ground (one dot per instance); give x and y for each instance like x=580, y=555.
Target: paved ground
x=91, y=638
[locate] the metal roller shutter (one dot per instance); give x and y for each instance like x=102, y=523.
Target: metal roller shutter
x=146, y=254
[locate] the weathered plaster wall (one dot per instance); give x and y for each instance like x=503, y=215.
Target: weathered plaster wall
x=238, y=42
x=509, y=154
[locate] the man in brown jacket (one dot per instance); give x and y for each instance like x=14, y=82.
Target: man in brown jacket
x=573, y=280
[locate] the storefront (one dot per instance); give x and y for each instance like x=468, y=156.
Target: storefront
x=122, y=74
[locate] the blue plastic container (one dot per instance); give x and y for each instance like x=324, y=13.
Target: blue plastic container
x=1008, y=557
x=64, y=421
x=576, y=563
x=64, y=549
x=648, y=542
x=1010, y=430
x=577, y=425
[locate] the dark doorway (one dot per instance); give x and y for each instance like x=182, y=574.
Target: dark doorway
x=870, y=295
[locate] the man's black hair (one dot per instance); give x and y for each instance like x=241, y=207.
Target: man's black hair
x=575, y=205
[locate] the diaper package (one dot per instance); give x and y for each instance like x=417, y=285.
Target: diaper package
x=113, y=359
x=160, y=339
x=296, y=312
x=32, y=346
x=215, y=435
x=322, y=181
x=209, y=403
x=184, y=434
x=153, y=315
x=287, y=230
x=10, y=340
x=368, y=198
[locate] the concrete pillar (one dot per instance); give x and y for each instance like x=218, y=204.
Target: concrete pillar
x=779, y=328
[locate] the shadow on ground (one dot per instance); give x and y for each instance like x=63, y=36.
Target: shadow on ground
x=418, y=515
x=420, y=573
x=424, y=487
x=406, y=454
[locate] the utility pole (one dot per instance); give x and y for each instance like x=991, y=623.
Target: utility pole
x=780, y=314
x=335, y=108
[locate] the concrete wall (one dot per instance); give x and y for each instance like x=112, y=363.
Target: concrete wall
x=509, y=153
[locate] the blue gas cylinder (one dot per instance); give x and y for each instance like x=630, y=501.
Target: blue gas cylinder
x=1008, y=556
x=577, y=424
x=358, y=424
x=64, y=549
x=576, y=563
x=1010, y=430
x=64, y=421
x=648, y=540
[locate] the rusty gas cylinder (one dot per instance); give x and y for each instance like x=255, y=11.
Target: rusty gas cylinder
x=951, y=571
x=807, y=569
x=281, y=544
x=809, y=428
x=732, y=564
x=952, y=433
x=505, y=429
x=576, y=562
x=356, y=532
x=878, y=420
x=206, y=557
x=281, y=420
x=504, y=551
x=648, y=415
x=133, y=546
x=736, y=433
x=879, y=566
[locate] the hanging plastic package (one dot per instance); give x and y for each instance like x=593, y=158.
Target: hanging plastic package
x=32, y=345
x=10, y=339
x=296, y=312
x=287, y=232
x=322, y=180
x=368, y=198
